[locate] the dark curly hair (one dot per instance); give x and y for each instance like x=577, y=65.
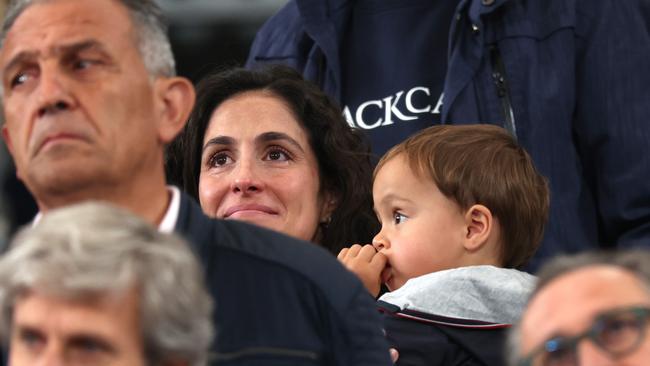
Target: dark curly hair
x=342, y=152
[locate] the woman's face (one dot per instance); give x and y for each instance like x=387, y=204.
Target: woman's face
x=258, y=166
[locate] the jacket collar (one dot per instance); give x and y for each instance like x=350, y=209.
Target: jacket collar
x=478, y=8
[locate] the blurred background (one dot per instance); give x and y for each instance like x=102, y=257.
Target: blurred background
x=205, y=35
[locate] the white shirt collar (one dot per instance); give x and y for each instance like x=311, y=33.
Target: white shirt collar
x=168, y=222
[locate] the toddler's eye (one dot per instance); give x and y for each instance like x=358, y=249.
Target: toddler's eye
x=399, y=217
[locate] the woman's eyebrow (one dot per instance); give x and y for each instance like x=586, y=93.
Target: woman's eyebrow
x=274, y=136
x=219, y=140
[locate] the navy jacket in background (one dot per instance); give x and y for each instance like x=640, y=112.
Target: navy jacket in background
x=281, y=301
x=569, y=78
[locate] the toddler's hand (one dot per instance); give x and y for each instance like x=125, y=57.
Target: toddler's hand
x=366, y=263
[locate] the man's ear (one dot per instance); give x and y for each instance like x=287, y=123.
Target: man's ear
x=175, y=100
x=479, y=223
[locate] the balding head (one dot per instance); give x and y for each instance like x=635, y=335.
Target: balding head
x=573, y=293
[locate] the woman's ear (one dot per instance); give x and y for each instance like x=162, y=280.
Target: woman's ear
x=175, y=98
x=329, y=203
x=479, y=223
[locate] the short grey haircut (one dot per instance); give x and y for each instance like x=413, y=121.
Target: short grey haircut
x=635, y=261
x=91, y=249
x=149, y=26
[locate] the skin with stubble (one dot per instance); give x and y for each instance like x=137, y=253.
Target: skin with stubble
x=568, y=305
x=84, y=118
x=422, y=231
x=101, y=330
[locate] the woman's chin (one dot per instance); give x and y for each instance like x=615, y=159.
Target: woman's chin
x=263, y=219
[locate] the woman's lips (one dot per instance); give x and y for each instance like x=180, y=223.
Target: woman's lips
x=248, y=209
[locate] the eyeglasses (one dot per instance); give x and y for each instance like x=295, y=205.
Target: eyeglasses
x=617, y=332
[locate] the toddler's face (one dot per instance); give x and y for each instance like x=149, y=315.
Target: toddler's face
x=422, y=230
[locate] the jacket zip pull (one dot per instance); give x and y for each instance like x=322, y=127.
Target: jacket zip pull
x=499, y=78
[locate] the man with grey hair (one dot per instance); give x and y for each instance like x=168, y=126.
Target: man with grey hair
x=592, y=309
x=92, y=284
x=90, y=101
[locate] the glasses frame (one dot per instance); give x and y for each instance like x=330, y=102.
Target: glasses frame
x=641, y=314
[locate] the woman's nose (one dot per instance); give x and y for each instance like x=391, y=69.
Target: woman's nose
x=246, y=179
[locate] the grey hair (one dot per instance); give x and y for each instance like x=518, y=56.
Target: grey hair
x=91, y=249
x=635, y=261
x=150, y=32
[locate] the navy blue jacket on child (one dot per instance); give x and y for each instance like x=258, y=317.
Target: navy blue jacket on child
x=455, y=317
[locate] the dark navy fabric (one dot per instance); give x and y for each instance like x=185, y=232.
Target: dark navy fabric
x=402, y=100
x=571, y=77
x=280, y=301
x=423, y=343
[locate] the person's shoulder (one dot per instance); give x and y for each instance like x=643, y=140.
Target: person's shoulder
x=282, y=26
x=265, y=251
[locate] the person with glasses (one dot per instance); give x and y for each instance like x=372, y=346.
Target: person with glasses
x=592, y=309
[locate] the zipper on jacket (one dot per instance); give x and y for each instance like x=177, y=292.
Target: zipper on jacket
x=499, y=78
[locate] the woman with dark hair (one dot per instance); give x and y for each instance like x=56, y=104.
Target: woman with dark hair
x=272, y=149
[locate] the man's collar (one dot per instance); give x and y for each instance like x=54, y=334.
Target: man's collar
x=168, y=222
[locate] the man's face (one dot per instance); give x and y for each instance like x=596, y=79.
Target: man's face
x=79, y=104
x=98, y=331
x=568, y=306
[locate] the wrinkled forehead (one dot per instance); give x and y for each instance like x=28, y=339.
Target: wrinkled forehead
x=43, y=24
x=568, y=304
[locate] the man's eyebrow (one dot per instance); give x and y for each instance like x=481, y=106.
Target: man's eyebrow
x=19, y=58
x=23, y=56
x=219, y=140
x=80, y=46
x=27, y=329
x=275, y=136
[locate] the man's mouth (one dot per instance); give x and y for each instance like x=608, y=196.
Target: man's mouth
x=56, y=138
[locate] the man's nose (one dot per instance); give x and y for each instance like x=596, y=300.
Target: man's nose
x=246, y=178
x=53, y=94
